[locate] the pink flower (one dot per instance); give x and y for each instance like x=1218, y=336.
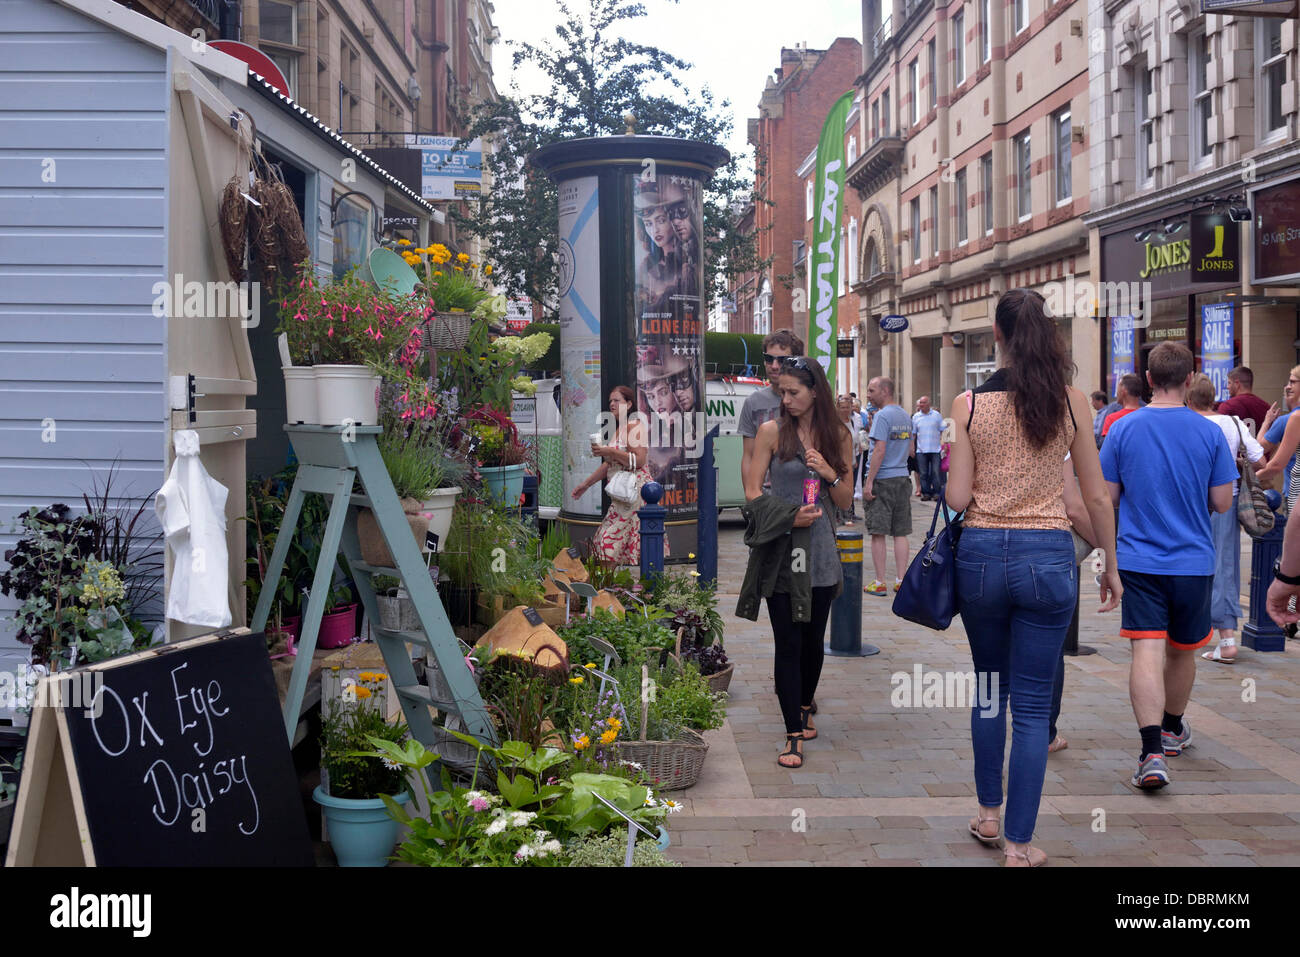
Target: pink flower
x=330, y=332
x=479, y=804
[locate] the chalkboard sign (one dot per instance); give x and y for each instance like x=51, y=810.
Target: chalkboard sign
x=168, y=757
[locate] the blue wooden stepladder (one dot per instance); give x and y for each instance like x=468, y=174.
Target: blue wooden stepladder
x=331, y=460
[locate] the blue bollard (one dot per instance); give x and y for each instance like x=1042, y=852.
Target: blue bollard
x=1261, y=633
x=846, y=611
x=652, y=530
x=706, y=522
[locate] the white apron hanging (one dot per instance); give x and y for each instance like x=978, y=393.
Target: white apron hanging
x=191, y=507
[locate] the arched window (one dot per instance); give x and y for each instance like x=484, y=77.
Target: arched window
x=873, y=259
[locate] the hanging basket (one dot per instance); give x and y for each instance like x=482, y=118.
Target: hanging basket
x=675, y=764
x=721, y=680
x=448, y=330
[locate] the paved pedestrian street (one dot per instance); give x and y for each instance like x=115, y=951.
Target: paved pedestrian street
x=893, y=786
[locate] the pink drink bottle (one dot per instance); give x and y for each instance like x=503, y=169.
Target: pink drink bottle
x=811, y=487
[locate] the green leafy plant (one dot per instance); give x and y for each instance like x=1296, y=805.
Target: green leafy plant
x=630, y=635
x=610, y=850
x=536, y=808
x=523, y=702
x=555, y=540
x=681, y=699
x=410, y=466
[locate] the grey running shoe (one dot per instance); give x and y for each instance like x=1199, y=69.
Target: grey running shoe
x=1152, y=774
x=1174, y=744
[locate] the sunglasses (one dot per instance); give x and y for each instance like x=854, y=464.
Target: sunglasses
x=795, y=362
x=679, y=211
x=771, y=359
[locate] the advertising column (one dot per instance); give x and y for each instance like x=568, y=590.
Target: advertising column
x=581, y=392
x=669, y=271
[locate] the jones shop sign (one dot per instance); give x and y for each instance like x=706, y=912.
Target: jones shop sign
x=1216, y=248
x=1277, y=232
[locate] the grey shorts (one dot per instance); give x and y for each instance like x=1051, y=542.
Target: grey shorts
x=890, y=511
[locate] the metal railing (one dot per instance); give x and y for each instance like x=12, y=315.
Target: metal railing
x=882, y=36
x=208, y=8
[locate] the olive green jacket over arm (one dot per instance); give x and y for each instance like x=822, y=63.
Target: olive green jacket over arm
x=772, y=540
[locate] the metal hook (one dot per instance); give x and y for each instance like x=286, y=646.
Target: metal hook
x=239, y=430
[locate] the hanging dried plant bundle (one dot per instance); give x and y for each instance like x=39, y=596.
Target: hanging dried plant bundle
x=277, y=238
x=233, y=218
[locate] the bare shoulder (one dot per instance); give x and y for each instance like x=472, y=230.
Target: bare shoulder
x=767, y=431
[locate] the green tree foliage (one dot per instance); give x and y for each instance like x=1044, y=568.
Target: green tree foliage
x=596, y=77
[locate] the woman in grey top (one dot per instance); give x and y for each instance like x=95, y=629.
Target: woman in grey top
x=808, y=455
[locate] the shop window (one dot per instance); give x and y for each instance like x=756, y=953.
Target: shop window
x=1198, y=64
x=981, y=358
x=1271, y=63
x=986, y=184
x=1024, y=177
x=1145, y=126
x=986, y=40
x=1061, y=134
x=959, y=185
x=916, y=230
x=958, y=48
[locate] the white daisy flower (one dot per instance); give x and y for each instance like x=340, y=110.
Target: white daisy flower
x=390, y=764
x=673, y=806
x=632, y=764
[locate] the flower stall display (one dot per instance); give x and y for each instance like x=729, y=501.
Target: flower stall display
x=538, y=811
x=357, y=784
x=347, y=331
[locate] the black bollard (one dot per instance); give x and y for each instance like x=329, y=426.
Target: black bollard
x=706, y=525
x=846, y=611
x=1260, y=632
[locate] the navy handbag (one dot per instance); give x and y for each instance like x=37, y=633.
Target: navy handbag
x=928, y=595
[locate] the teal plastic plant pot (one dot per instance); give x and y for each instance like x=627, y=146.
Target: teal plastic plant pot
x=360, y=830
x=505, y=483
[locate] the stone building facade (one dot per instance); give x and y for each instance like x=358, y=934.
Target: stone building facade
x=1195, y=115
x=972, y=179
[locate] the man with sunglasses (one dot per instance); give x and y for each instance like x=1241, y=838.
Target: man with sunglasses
x=765, y=404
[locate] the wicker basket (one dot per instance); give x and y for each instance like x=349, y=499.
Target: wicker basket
x=721, y=680
x=448, y=330
x=674, y=764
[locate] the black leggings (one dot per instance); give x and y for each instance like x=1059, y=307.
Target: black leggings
x=799, y=652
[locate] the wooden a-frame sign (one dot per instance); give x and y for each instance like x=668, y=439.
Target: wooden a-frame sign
x=161, y=758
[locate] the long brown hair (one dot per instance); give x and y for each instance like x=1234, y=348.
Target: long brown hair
x=826, y=427
x=1036, y=366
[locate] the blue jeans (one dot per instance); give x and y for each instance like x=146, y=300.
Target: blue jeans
x=1225, y=600
x=1016, y=591
x=932, y=478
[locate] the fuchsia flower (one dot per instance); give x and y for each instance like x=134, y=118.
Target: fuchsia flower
x=330, y=333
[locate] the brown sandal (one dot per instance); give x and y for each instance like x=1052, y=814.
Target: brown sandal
x=1033, y=857
x=976, y=828
x=792, y=751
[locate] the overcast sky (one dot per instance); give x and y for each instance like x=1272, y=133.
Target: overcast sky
x=734, y=45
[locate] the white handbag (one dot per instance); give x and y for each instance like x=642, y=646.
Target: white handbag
x=625, y=487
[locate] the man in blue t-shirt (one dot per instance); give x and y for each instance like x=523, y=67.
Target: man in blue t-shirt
x=887, y=490
x=1166, y=467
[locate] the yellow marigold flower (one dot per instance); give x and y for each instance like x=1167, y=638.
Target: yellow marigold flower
x=592, y=665
x=403, y=242
x=487, y=270
x=609, y=736
x=616, y=724
x=462, y=258
x=581, y=743
x=438, y=273
x=576, y=681
x=362, y=691
x=460, y=269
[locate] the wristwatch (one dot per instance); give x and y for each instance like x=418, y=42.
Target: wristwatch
x=1284, y=579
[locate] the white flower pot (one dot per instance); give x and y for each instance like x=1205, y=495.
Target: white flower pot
x=346, y=394
x=300, y=395
x=439, y=507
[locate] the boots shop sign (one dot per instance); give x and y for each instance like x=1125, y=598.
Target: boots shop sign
x=1276, y=232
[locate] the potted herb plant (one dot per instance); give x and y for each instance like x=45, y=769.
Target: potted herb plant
x=411, y=469
x=354, y=782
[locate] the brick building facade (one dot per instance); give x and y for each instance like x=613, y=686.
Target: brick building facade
x=791, y=112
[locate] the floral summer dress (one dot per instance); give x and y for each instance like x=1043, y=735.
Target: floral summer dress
x=618, y=539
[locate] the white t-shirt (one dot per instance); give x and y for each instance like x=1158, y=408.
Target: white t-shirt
x=1228, y=424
